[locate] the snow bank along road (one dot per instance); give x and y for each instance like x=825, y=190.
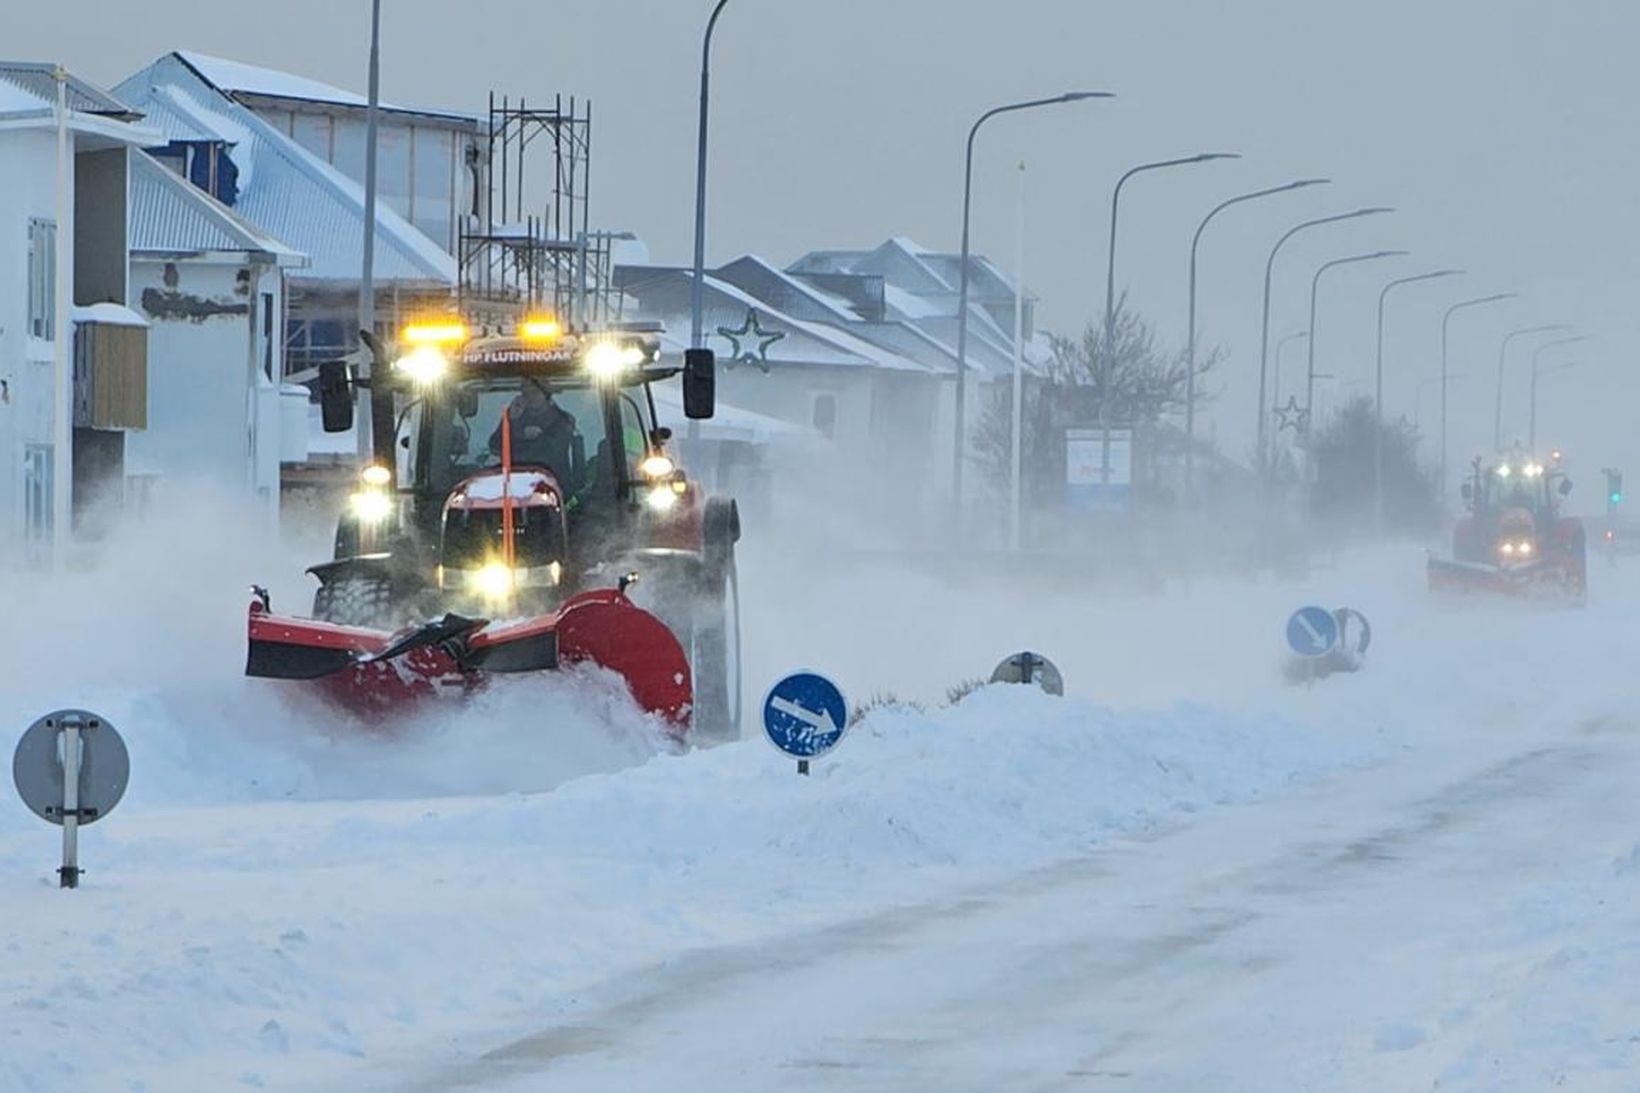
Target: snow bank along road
x=1423, y=873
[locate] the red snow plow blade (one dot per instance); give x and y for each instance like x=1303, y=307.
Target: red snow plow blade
x=1547, y=579
x=374, y=673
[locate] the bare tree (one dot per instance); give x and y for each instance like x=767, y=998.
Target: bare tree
x=1142, y=384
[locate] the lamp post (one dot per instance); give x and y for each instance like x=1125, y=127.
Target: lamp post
x=1281, y=346
x=697, y=334
x=1106, y=359
x=1264, y=340
x=367, y=273
x=1190, y=340
x=1537, y=369
x=958, y=423
x=1446, y=322
x=1315, y=289
x=1503, y=350
x=1531, y=441
x=1378, y=389
x=1418, y=396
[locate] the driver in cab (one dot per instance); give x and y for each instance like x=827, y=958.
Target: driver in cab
x=542, y=432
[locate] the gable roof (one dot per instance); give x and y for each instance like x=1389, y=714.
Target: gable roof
x=170, y=215
x=284, y=190
x=38, y=79
x=236, y=79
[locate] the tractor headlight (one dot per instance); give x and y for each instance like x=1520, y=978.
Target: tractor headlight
x=423, y=365
x=1525, y=548
x=494, y=581
x=1503, y=470
x=1507, y=549
x=658, y=465
x=376, y=476
x=606, y=360
x=1532, y=470
x=371, y=506
x=661, y=498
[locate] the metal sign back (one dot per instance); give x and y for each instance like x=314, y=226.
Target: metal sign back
x=1029, y=667
x=37, y=766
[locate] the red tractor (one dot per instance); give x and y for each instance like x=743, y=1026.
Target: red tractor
x=1515, y=540
x=518, y=488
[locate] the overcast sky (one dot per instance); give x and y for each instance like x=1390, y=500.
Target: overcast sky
x=1502, y=130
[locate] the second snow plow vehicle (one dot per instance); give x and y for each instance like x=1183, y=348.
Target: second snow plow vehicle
x=1515, y=540
x=519, y=484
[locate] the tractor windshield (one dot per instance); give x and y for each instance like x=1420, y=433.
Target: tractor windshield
x=562, y=429
x=1517, y=491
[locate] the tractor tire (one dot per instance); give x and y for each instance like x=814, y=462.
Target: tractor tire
x=355, y=601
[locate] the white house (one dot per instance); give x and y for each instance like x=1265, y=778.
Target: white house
x=107, y=355
x=212, y=289
x=275, y=183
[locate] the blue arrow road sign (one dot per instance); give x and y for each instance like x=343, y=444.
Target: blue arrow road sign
x=1312, y=631
x=805, y=715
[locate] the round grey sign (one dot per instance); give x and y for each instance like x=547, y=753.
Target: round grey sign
x=1030, y=667
x=37, y=766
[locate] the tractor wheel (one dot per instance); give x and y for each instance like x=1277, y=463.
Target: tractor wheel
x=355, y=601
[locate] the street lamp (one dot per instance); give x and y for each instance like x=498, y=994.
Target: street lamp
x=1190, y=340
x=958, y=424
x=1418, y=396
x=1264, y=341
x=1378, y=390
x=697, y=333
x=1503, y=350
x=1297, y=335
x=1315, y=289
x=1531, y=439
x=367, y=272
x=1446, y=322
x=1107, y=357
x=1537, y=367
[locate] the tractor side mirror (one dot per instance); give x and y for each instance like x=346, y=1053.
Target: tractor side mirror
x=467, y=401
x=659, y=435
x=335, y=397
x=1565, y=486
x=699, y=383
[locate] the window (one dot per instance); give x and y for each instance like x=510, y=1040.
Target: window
x=42, y=279
x=825, y=415
x=267, y=335
x=37, y=487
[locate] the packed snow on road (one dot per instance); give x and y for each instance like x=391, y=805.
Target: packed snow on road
x=1187, y=870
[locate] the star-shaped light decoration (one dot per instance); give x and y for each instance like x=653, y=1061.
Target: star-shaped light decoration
x=740, y=339
x=1292, y=416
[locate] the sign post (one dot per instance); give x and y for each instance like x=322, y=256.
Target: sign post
x=71, y=768
x=805, y=716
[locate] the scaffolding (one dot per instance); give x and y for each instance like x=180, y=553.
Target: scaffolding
x=527, y=248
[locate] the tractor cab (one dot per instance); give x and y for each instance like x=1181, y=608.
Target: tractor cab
x=1515, y=503
x=508, y=465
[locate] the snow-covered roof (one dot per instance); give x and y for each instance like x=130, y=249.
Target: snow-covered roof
x=38, y=80
x=169, y=215
x=107, y=314
x=285, y=190
x=238, y=78
x=733, y=423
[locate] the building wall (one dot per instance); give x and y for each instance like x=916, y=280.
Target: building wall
x=421, y=170
x=27, y=190
x=100, y=203
x=212, y=406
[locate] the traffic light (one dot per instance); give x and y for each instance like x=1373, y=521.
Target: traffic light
x=1614, y=487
